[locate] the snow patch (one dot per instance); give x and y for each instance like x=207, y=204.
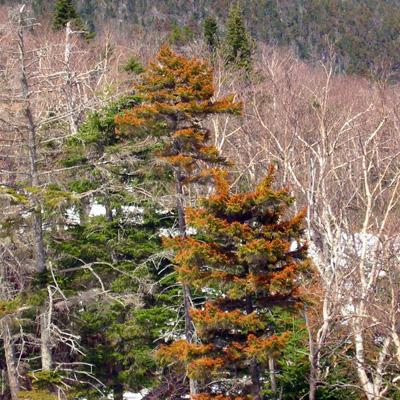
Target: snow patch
x=131, y=395
x=97, y=210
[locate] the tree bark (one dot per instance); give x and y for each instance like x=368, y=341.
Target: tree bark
x=12, y=374
x=32, y=149
x=189, y=327
x=39, y=248
x=69, y=82
x=84, y=210
x=313, y=357
x=109, y=214
x=272, y=378
x=45, y=342
x=366, y=384
x=255, y=380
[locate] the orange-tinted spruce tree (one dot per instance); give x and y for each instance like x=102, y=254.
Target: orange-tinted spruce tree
x=177, y=97
x=248, y=256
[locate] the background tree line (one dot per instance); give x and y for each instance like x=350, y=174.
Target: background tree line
x=364, y=34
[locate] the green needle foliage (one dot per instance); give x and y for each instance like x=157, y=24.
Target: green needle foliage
x=211, y=34
x=120, y=330
x=238, y=44
x=64, y=11
x=119, y=252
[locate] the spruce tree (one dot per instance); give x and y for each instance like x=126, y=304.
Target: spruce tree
x=238, y=44
x=121, y=249
x=64, y=12
x=177, y=95
x=119, y=329
x=248, y=256
x=211, y=34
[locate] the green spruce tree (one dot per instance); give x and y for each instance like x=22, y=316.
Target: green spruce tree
x=64, y=12
x=211, y=34
x=238, y=43
x=118, y=252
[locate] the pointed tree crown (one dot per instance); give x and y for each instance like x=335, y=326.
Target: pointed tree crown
x=211, y=33
x=65, y=11
x=238, y=44
x=177, y=95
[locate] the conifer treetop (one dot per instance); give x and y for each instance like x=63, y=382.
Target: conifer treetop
x=64, y=11
x=266, y=249
x=238, y=44
x=177, y=94
x=174, y=84
x=211, y=33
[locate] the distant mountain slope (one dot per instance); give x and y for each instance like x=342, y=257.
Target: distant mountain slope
x=365, y=33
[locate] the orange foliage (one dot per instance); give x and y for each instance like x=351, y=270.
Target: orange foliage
x=204, y=367
x=244, y=240
x=181, y=351
x=244, y=252
x=202, y=220
x=128, y=119
x=174, y=84
x=265, y=251
x=288, y=273
x=179, y=160
x=211, y=318
x=174, y=78
x=221, y=183
x=190, y=248
x=234, y=352
x=173, y=90
x=259, y=201
x=261, y=347
x=189, y=133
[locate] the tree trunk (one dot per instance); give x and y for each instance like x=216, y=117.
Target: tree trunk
x=189, y=327
x=45, y=343
x=39, y=243
x=313, y=357
x=69, y=82
x=32, y=150
x=39, y=248
x=12, y=374
x=255, y=380
x=312, y=383
x=3, y=379
x=272, y=378
x=84, y=210
x=109, y=214
x=366, y=384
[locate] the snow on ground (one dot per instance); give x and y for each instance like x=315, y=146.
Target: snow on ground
x=72, y=216
x=173, y=232
x=131, y=396
x=97, y=210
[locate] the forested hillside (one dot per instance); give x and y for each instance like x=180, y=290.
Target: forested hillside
x=364, y=34
x=199, y=200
